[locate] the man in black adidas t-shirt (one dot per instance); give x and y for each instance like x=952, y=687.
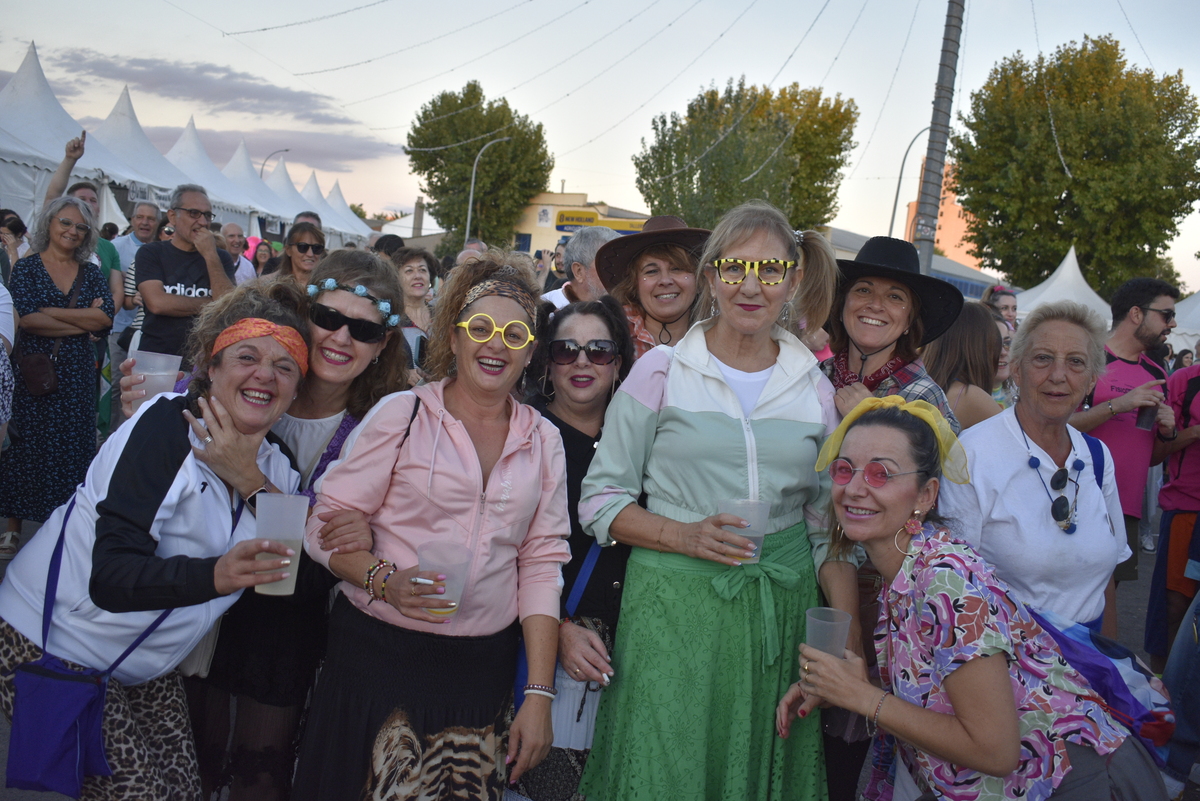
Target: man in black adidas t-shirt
x=178, y=276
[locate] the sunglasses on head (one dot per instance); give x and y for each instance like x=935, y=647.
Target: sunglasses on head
x=599, y=351
x=874, y=473
x=333, y=320
x=304, y=247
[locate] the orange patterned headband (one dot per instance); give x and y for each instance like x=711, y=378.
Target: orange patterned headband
x=252, y=327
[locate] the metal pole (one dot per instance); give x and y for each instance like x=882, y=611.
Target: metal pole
x=471, y=196
x=268, y=158
x=930, y=198
x=896, y=201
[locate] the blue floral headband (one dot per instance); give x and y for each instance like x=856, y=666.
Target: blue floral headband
x=384, y=306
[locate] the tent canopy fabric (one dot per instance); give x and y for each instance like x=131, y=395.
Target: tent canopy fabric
x=123, y=135
x=338, y=202
x=280, y=182
x=316, y=199
x=241, y=171
x=1065, y=283
x=189, y=155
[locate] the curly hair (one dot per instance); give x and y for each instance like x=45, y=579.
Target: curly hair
x=293, y=234
x=550, y=321
x=389, y=373
x=440, y=362
x=280, y=301
x=40, y=240
x=403, y=256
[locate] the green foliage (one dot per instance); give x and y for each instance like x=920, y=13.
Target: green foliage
x=510, y=173
x=1129, y=139
x=358, y=210
x=802, y=179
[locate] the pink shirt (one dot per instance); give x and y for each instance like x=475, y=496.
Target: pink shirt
x=430, y=487
x=1130, y=446
x=1182, y=490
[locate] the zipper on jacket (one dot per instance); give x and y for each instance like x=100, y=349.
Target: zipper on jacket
x=751, y=458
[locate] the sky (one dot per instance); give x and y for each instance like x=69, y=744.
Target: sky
x=339, y=83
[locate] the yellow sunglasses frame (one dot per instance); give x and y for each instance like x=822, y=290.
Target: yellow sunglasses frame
x=753, y=266
x=465, y=325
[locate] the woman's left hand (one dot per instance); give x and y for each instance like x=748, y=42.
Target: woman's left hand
x=841, y=682
x=529, y=737
x=231, y=454
x=849, y=396
x=345, y=531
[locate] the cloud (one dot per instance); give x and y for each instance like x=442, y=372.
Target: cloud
x=219, y=88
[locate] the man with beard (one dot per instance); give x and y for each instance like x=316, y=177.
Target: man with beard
x=1143, y=311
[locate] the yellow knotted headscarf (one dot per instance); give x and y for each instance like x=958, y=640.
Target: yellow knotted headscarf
x=950, y=452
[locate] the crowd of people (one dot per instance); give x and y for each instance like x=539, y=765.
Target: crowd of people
x=517, y=578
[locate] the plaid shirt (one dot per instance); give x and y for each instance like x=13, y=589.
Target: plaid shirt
x=913, y=383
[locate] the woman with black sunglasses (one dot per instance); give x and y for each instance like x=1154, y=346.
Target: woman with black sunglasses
x=302, y=250
x=585, y=351
x=267, y=648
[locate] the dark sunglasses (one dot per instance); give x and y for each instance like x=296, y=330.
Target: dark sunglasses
x=599, y=351
x=333, y=320
x=304, y=247
x=1168, y=314
x=874, y=473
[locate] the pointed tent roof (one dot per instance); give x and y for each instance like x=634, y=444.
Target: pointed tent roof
x=123, y=135
x=316, y=199
x=32, y=113
x=189, y=155
x=338, y=203
x=280, y=182
x=1065, y=283
x=241, y=171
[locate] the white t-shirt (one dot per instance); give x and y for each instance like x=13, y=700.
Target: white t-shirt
x=1046, y=567
x=308, y=439
x=747, y=386
x=245, y=271
x=557, y=297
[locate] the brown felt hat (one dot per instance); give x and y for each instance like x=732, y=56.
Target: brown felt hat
x=614, y=259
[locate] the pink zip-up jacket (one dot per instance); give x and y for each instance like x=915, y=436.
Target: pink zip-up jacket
x=431, y=488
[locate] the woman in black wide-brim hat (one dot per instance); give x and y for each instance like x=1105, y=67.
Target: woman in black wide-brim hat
x=886, y=310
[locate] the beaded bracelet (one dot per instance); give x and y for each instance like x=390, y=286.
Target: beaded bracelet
x=878, y=709
x=541, y=689
x=383, y=584
x=369, y=581
x=542, y=693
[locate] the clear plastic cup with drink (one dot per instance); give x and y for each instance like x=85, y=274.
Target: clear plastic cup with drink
x=160, y=369
x=281, y=518
x=450, y=560
x=756, y=513
x=827, y=629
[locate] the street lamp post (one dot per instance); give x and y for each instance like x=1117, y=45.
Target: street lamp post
x=471, y=196
x=896, y=202
x=268, y=158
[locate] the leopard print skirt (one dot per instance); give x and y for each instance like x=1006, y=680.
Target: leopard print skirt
x=147, y=736
x=399, y=714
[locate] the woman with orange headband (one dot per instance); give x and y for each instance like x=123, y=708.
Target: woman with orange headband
x=159, y=540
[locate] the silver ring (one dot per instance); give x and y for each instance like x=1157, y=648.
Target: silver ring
x=207, y=440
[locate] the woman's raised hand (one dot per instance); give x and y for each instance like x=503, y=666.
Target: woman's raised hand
x=239, y=568
x=707, y=540
x=414, y=599
x=849, y=396
x=231, y=454
x=582, y=654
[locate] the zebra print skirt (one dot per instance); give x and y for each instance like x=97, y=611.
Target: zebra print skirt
x=400, y=714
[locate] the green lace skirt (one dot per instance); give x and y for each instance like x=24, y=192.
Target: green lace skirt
x=703, y=655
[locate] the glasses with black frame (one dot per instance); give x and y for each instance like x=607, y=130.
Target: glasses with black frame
x=332, y=320
x=875, y=474
x=1168, y=314
x=598, y=351
x=195, y=214
x=304, y=247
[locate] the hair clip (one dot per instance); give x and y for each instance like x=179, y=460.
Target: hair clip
x=799, y=237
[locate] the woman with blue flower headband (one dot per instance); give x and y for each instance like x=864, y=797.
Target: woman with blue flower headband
x=268, y=648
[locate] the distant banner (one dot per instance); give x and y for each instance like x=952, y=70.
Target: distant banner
x=139, y=192
x=572, y=221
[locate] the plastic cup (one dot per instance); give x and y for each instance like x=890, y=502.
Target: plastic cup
x=451, y=560
x=1147, y=417
x=827, y=630
x=756, y=514
x=281, y=518
x=160, y=369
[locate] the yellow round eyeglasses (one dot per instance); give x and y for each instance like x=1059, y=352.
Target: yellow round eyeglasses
x=767, y=271
x=481, y=328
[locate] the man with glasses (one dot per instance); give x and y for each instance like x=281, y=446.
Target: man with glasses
x=1143, y=311
x=176, y=277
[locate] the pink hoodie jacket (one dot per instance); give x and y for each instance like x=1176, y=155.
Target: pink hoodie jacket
x=431, y=488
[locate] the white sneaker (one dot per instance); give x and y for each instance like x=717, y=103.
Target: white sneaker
x=1148, y=542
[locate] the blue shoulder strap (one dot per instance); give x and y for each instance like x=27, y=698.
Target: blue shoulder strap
x=581, y=580
x=1097, y=458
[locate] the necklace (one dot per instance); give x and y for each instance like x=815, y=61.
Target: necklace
x=1061, y=510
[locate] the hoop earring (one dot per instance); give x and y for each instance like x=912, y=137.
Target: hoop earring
x=912, y=528
x=547, y=394
x=376, y=359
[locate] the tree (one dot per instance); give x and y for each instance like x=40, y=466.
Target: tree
x=801, y=179
x=358, y=210
x=1129, y=139
x=509, y=174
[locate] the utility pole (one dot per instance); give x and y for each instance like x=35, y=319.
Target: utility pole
x=930, y=199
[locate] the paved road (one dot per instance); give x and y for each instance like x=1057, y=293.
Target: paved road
x=1131, y=606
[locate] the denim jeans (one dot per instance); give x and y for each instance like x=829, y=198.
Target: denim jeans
x=1182, y=678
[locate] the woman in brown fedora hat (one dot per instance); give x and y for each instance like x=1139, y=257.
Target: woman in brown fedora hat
x=887, y=310
x=653, y=275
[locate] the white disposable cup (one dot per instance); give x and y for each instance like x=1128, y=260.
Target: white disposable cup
x=281, y=518
x=161, y=371
x=451, y=560
x=826, y=629
x=756, y=513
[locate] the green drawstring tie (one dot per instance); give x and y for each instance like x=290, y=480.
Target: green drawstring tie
x=772, y=569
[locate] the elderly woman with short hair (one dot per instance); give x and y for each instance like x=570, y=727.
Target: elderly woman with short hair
x=62, y=300
x=1042, y=504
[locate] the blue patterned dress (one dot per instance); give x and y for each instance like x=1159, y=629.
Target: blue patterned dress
x=54, y=436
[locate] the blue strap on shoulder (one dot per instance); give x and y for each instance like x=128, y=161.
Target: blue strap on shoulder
x=581, y=580
x=1097, y=450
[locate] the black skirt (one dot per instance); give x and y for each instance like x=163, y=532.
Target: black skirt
x=405, y=714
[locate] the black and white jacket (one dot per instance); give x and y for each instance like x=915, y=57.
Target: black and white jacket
x=149, y=523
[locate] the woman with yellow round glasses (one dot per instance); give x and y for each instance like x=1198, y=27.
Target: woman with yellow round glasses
x=411, y=679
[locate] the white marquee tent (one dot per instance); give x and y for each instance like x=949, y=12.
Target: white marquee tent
x=241, y=171
x=338, y=202
x=123, y=135
x=316, y=202
x=1065, y=283
x=280, y=182
x=189, y=155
